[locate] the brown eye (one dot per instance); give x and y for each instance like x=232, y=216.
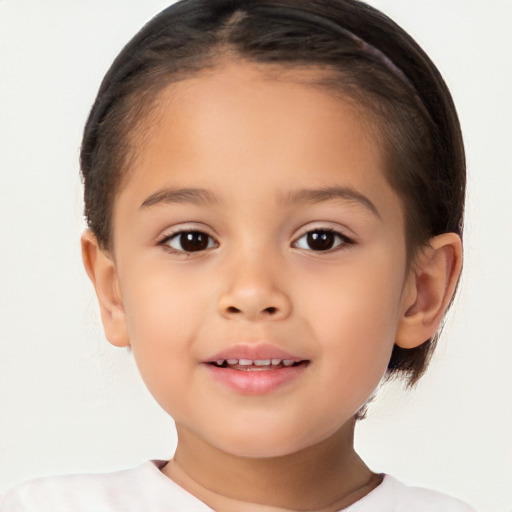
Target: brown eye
x=321, y=240
x=190, y=241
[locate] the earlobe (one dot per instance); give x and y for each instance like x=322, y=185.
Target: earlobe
x=429, y=289
x=102, y=272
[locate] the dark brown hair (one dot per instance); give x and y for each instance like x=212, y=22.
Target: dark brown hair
x=369, y=59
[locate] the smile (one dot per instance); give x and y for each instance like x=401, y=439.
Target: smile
x=255, y=364
x=255, y=369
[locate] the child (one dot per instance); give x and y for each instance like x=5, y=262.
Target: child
x=274, y=193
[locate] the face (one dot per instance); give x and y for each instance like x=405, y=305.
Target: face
x=260, y=260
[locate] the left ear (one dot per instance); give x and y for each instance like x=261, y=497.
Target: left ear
x=429, y=289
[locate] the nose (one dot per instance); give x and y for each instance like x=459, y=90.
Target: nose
x=253, y=293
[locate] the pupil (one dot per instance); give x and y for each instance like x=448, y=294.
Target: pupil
x=194, y=241
x=321, y=240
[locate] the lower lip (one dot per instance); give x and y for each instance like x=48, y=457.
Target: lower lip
x=256, y=382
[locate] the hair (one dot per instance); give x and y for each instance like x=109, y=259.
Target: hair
x=360, y=52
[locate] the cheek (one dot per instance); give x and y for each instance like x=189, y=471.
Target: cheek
x=355, y=323
x=162, y=303
x=359, y=300
x=161, y=317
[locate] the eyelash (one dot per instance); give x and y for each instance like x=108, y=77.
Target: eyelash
x=327, y=237
x=342, y=240
x=165, y=241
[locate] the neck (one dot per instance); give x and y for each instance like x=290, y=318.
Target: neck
x=326, y=476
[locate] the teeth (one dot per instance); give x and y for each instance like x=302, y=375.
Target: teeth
x=255, y=362
x=262, y=362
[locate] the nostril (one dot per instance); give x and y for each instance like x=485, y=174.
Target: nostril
x=270, y=311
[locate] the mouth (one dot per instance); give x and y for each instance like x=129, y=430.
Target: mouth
x=256, y=369
x=257, y=365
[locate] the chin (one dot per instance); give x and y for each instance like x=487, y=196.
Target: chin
x=261, y=451
x=268, y=443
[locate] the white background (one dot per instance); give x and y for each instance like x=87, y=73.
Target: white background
x=71, y=403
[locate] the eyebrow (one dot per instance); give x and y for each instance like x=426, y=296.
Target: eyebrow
x=180, y=195
x=203, y=196
x=319, y=195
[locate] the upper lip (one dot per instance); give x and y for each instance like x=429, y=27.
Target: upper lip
x=259, y=351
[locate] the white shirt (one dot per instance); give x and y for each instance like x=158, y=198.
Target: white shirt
x=146, y=489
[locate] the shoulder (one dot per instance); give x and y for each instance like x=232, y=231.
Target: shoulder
x=393, y=496
x=142, y=488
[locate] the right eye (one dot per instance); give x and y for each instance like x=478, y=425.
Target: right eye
x=189, y=241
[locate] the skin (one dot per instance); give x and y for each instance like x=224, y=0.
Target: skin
x=250, y=140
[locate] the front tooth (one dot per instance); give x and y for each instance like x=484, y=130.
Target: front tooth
x=287, y=362
x=245, y=362
x=232, y=361
x=275, y=362
x=262, y=362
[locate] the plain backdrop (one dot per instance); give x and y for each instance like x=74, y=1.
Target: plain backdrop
x=69, y=402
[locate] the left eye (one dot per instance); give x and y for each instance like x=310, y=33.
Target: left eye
x=190, y=241
x=321, y=240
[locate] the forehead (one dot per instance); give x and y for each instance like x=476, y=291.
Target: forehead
x=234, y=126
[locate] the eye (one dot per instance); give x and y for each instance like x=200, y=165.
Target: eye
x=189, y=241
x=321, y=240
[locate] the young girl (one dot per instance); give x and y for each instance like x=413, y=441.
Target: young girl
x=274, y=192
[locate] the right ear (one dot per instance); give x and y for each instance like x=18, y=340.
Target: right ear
x=102, y=272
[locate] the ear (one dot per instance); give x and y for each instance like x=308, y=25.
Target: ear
x=101, y=270
x=429, y=289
